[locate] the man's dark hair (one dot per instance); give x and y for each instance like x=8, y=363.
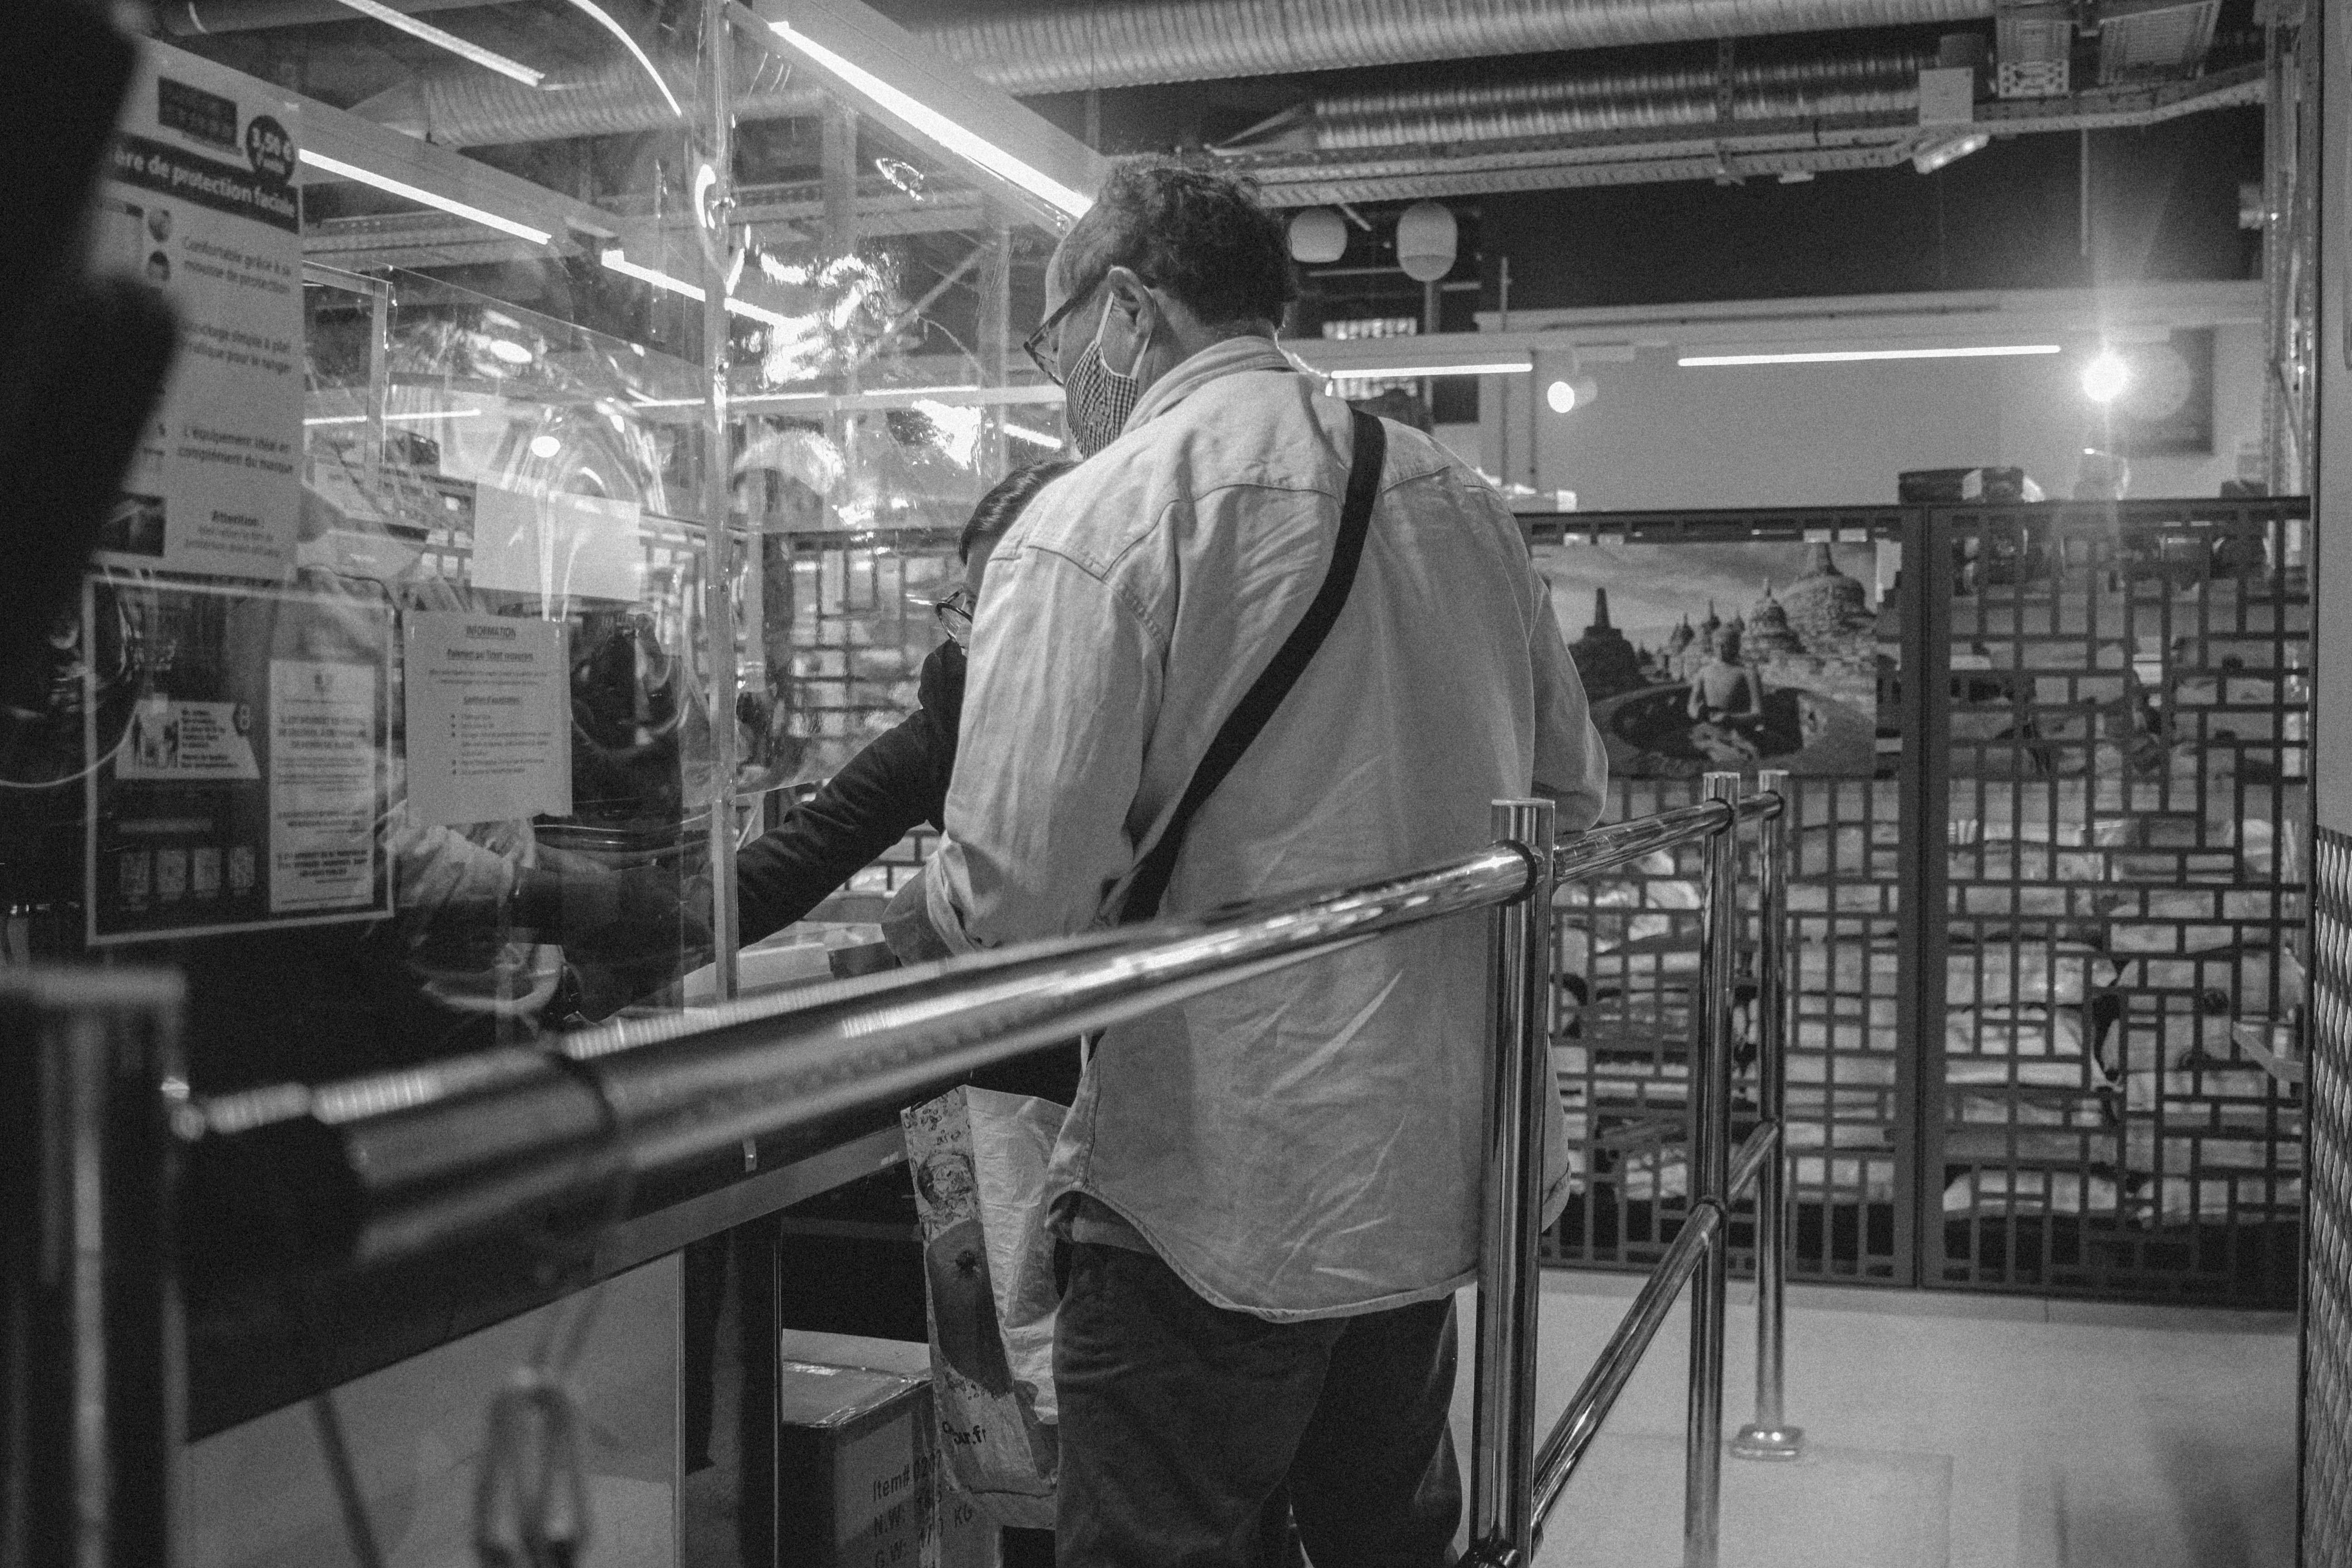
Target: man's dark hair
x=1203, y=237
x=1003, y=505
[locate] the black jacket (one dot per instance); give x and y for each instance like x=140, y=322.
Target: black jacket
x=894, y=786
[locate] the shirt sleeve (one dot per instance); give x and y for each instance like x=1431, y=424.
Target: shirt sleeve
x=881, y=794
x=1570, y=763
x=1062, y=696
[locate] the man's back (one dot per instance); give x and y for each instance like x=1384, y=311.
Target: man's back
x=1306, y=1144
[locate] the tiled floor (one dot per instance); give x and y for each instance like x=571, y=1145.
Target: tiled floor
x=1985, y=1432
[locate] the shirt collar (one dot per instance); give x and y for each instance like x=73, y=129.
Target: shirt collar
x=1228, y=356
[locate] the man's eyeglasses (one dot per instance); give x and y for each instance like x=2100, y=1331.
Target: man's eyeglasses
x=954, y=611
x=1033, y=345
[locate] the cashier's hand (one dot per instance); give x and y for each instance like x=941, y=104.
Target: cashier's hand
x=906, y=925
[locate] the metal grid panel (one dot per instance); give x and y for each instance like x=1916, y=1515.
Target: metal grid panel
x=1628, y=947
x=2327, y=1278
x=859, y=635
x=2125, y=791
x=1626, y=950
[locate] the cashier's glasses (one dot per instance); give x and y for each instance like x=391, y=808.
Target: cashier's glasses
x=954, y=611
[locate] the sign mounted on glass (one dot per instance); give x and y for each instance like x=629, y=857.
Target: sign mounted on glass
x=200, y=202
x=240, y=770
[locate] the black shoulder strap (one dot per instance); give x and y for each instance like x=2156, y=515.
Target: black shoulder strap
x=1290, y=661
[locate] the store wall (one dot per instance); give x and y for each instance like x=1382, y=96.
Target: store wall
x=1660, y=436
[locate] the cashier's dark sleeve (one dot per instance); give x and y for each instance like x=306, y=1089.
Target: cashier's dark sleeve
x=894, y=786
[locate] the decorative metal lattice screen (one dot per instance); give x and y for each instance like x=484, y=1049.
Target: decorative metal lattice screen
x=2327, y=1290
x=853, y=609
x=2123, y=789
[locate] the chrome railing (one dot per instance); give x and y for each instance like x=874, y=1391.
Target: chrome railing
x=414, y=1164
x=1515, y=1486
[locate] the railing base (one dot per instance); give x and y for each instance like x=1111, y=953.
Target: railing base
x=1769, y=1443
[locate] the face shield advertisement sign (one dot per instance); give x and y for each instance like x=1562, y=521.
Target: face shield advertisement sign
x=200, y=202
x=242, y=779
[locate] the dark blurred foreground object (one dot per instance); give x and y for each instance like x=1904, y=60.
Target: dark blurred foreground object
x=84, y=358
x=1993, y=487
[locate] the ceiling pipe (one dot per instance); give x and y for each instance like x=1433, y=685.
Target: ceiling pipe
x=1886, y=83
x=1076, y=47
x=1070, y=49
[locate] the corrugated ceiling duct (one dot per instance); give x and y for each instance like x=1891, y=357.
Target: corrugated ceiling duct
x=1080, y=47
x=468, y=108
x=1072, y=48
x=1792, y=90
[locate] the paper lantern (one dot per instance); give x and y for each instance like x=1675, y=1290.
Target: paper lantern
x=1318, y=235
x=1425, y=241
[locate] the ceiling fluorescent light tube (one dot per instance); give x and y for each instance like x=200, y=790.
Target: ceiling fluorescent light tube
x=395, y=418
x=450, y=41
x=604, y=19
x=937, y=127
x=1849, y=356
x=1034, y=438
x=430, y=198
x=615, y=261
x=1410, y=371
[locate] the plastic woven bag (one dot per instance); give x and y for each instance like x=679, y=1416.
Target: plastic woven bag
x=979, y=1161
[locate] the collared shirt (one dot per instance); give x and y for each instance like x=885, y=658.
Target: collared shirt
x=1308, y=1144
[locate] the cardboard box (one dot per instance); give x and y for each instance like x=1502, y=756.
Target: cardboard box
x=858, y=1481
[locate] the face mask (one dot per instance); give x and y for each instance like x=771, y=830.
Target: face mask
x=1100, y=398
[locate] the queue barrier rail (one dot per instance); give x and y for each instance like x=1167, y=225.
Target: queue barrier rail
x=110, y=1154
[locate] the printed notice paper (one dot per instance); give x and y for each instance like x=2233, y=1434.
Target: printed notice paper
x=200, y=202
x=322, y=786
x=241, y=784
x=558, y=546
x=489, y=719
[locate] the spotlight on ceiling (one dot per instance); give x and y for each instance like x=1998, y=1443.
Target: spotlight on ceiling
x=1566, y=396
x=2104, y=378
x=1927, y=160
x=545, y=445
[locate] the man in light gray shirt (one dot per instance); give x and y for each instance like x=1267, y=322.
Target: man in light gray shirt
x=1272, y=1192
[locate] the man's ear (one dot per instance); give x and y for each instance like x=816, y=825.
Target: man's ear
x=1132, y=304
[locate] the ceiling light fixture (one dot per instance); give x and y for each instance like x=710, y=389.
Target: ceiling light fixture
x=615, y=261
x=395, y=418
x=1568, y=397
x=545, y=445
x=604, y=19
x=936, y=127
x=1414, y=372
x=430, y=198
x=1927, y=160
x=1849, y=356
x=2104, y=378
x=1034, y=438
x=450, y=41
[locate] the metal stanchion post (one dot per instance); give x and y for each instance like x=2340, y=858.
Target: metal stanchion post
x=91, y=1388
x=1710, y=1177
x=1770, y=1435
x=1503, y=1420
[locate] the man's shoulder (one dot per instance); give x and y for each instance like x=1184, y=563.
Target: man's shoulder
x=1200, y=452
x=1414, y=454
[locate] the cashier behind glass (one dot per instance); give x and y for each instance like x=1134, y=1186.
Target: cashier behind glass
x=1272, y=1192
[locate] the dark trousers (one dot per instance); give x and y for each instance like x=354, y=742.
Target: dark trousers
x=1181, y=1422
